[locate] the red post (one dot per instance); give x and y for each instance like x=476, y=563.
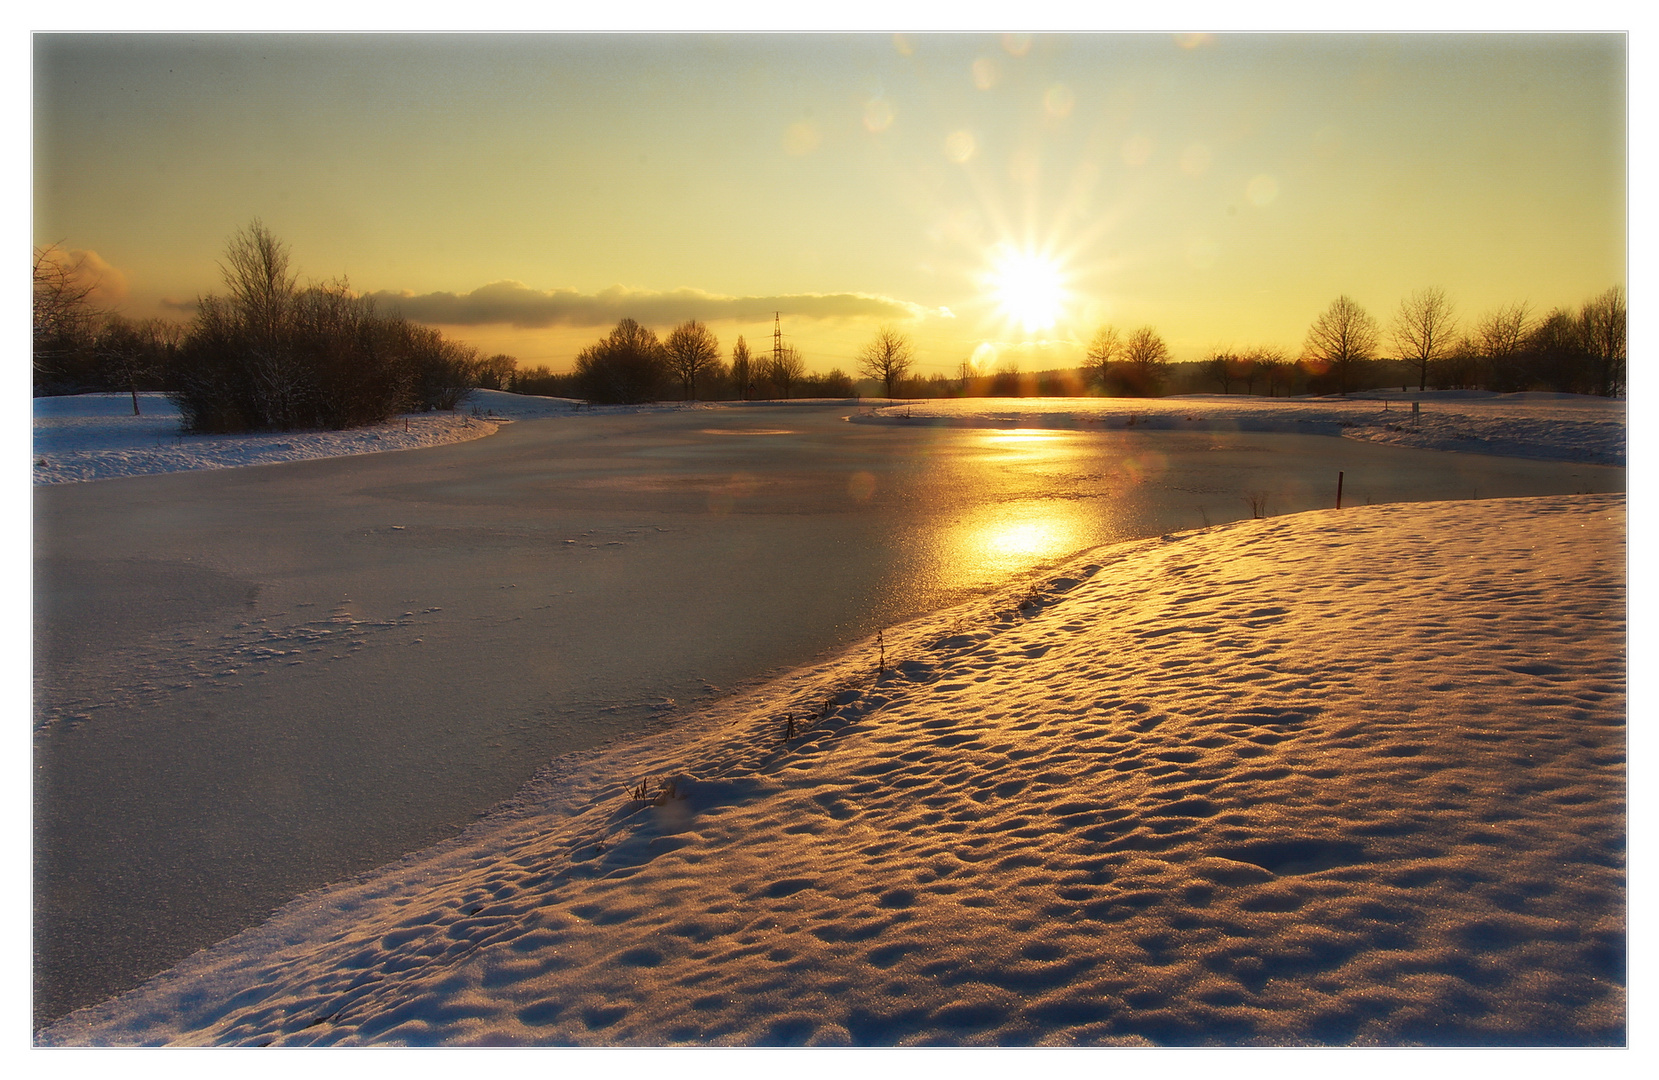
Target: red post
x=1339, y=491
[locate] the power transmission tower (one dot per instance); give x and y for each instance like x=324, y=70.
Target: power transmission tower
x=777, y=339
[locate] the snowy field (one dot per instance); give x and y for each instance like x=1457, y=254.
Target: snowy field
x=1254, y=784
x=1350, y=777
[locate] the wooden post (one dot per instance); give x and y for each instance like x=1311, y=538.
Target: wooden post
x=1339, y=491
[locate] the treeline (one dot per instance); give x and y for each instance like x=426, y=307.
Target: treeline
x=79, y=348
x=631, y=365
x=1507, y=349
x=1570, y=351
x=267, y=355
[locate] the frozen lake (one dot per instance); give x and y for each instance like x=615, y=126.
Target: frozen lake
x=253, y=682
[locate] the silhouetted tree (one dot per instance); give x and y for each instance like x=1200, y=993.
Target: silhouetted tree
x=1460, y=367
x=1556, y=355
x=496, y=372
x=1103, y=351
x=1424, y=330
x=440, y=372
x=625, y=368
x=134, y=355
x=1222, y=366
x=1601, y=326
x=1501, y=336
x=886, y=358
x=783, y=370
x=1270, y=364
x=1141, y=372
x=1341, y=337
x=691, y=350
x=835, y=384
x=65, y=320
x=268, y=355
x=541, y=380
x=743, y=369
x=1247, y=371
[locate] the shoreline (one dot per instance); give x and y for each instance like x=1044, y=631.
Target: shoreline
x=1542, y=426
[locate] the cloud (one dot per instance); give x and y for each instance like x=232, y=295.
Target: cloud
x=515, y=304
x=108, y=284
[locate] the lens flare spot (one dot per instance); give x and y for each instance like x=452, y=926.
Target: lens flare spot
x=1202, y=252
x=1262, y=190
x=1195, y=159
x=987, y=73
x=960, y=146
x=801, y=138
x=878, y=115
x=1137, y=151
x=861, y=485
x=1058, y=101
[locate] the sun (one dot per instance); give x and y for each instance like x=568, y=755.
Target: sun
x=1028, y=286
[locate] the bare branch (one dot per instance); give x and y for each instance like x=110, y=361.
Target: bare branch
x=887, y=357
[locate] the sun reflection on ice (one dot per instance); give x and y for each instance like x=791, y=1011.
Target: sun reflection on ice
x=1012, y=537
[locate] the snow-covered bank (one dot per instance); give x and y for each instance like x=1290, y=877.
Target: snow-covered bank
x=1559, y=427
x=1346, y=776
x=95, y=436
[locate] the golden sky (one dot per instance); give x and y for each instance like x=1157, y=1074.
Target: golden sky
x=978, y=191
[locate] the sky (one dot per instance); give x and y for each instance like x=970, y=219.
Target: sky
x=997, y=198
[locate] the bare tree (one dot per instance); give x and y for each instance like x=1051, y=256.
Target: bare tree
x=1424, y=330
x=691, y=350
x=261, y=296
x=1146, y=358
x=887, y=357
x=1461, y=366
x=64, y=315
x=743, y=369
x=785, y=369
x=1221, y=365
x=1502, y=333
x=1556, y=356
x=1103, y=351
x=1602, y=328
x=130, y=353
x=496, y=372
x=1501, y=336
x=1270, y=363
x=1342, y=336
x=256, y=275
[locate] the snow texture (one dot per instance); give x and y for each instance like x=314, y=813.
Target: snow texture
x=1351, y=777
